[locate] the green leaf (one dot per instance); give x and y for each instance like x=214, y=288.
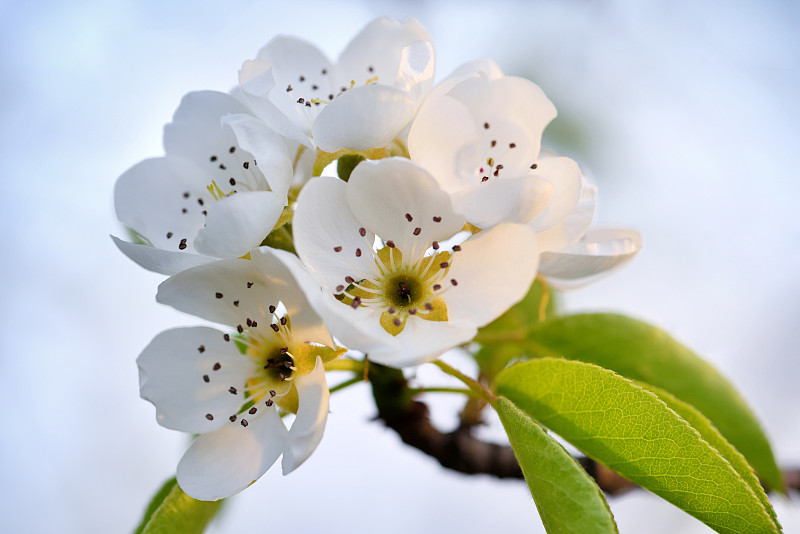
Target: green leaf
x=633, y=432
x=700, y=423
x=642, y=352
x=173, y=512
x=567, y=498
x=538, y=305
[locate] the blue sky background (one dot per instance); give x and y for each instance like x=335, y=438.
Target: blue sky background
x=685, y=114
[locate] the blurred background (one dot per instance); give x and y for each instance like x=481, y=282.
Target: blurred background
x=685, y=114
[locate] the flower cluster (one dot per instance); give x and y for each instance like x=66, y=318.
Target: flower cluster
x=444, y=211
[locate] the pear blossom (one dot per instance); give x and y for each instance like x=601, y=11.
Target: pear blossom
x=479, y=134
x=363, y=101
x=217, y=192
x=393, y=285
x=227, y=386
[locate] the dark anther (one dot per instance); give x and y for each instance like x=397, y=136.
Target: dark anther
x=217, y=366
x=244, y=422
x=437, y=219
x=339, y=289
x=444, y=265
x=246, y=164
x=232, y=390
x=226, y=337
x=236, y=303
x=409, y=218
x=252, y=410
x=271, y=308
x=362, y=232
x=206, y=378
x=232, y=418
x=232, y=181
x=239, y=328
x=249, y=285
x=358, y=252
x=486, y=125
x=390, y=244
x=201, y=349
x=454, y=281
x=337, y=249
x=169, y=234
x=218, y=295
x=209, y=417
x=417, y=230
x=534, y=166
x=275, y=327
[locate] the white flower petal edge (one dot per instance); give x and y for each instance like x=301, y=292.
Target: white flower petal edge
x=184, y=202
x=405, y=298
x=226, y=461
x=309, y=425
x=157, y=260
x=599, y=251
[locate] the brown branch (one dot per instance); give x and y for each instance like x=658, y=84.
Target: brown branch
x=459, y=450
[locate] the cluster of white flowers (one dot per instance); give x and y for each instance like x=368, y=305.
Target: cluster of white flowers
x=444, y=212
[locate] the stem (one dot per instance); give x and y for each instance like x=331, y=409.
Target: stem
x=471, y=383
x=355, y=366
x=346, y=384
x=545, y=298
x=463, y=391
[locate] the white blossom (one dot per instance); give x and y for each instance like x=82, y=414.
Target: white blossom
x=212, y=195
x=227, y=386
x=362, y=101
x=407, y=296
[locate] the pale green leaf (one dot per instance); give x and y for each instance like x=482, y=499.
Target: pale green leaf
x=700, y=423
x=633, y=432
x=640, y=351
x=567, y=498
x=173, y=512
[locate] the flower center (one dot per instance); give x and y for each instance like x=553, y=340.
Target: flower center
x=400, y=288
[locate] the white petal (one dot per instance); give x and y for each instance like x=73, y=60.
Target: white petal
x=151, y=197
x=257, y=83
x=515, y=200
x=565, y=177
x=599, y=251
x=312, y=412
x=219, y=292
x=377, y=50
x=239, y=223
x=158, y=260
x=292, y=58
x=268, y=149
x=494, y=270
x=364, y=117
x=172, y=375
x=422, y=341
x=521, y=100
x=300, y=70
x=385, y=194
x=485, y=68
x=223, y=463
x=195, y=132
x=416, y=70
x=440, y=130
x=323, y=222
x=575, y=225
x=284, y=271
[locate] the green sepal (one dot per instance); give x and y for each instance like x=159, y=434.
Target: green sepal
x=171, y=511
